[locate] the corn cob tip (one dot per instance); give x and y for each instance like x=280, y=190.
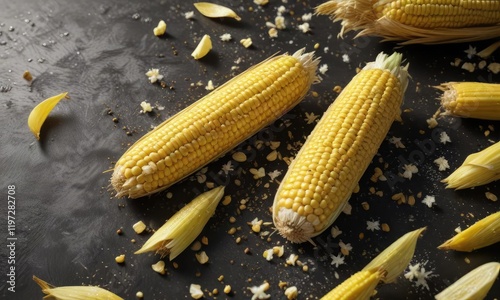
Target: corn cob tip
x=293, y=226
x=393, y=63
x=309, y=62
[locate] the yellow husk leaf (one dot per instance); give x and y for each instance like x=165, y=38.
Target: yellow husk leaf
x=184, y=226
x=483, y=233
x=478, y=169
x=203, y=47
x=75, y=292
x=41, y=111
x=473, y=285
x=212, y=10
x=486, y=52
x=395, y=258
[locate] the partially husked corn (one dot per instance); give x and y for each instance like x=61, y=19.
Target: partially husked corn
x=483, y=233
x=478, y=169
x=359, y=286
x=214, y=124
x=417, y=21
x=478, y=100
x=329, y=165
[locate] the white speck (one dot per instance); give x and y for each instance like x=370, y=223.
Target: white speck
x=409, y=170
x=323, y=68
x=146, y=107
x=397, y=142
x=347, y=246
x=189, y=15
x=280, y=22
x=444, y=138
x=418, y=272
x=274, y=174
x=345, y=58
x=442, y=163
x=372, y=225
x=281, y=10
x=429, y=200
x=310, y=117
x=270, y=25
x=226, y=168
x=337, y=260
x=307, y=17
x=458, y=229
x=154, y=75
x=226, y=37
x=210, y=86
x=335, y=231
x=470, y=52
x=259, y=291
x=326, y=49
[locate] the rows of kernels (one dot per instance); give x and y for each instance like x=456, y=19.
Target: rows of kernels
x=223, y=119
x=436, y=14
x=335, y=155
x=359, y=286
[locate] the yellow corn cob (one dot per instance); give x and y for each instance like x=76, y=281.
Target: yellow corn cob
x=478, y=169
x=74, y=292
x=214, y=124
x=483, y=233
x=471, y=99
x=417, y=21
x=473, y=285
x=359, y=286
x=328, y=167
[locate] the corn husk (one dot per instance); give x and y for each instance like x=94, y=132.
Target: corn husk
x=478, y=169
x=40, y=113
x=486, y=52
x=362, y=15
x=74, y=292
x=473, y=285
x=483, y=233
x=395, y=258
x=203, y=47
x=184, y=226
x=212, y=10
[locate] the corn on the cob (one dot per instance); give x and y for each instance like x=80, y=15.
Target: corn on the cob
x=478, y=169
x=74, y=292
x=329, y=165
x=417, y=21
x=359, y=286
x=184, y=226
x=471, y=99
x=473, y=285
x=214, y=124
x=385, y=267
x=483, y=233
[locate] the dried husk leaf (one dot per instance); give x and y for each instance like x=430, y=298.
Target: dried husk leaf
x=75, y=292
x=473, y=285
x=40, y=113
x=212, y=10
x=478, y=169
x=483, y=233
x=203, y=47
x=184, y=226
x=395, y=258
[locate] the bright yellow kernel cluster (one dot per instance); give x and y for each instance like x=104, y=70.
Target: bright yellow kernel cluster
x=211, y=127
x=359, y=286
x=441, y=13
x=330, y=163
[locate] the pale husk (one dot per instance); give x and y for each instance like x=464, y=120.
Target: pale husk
x=74, y=292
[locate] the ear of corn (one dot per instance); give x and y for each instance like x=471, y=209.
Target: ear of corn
x=471, y=99
x=417, y=21
x=473, y=285
x=478, y=168
x=360, y=286
x=395, y=258
x=184, y=226
x=483, y=233
x=74, y=292
x=214, y=124
x=329, y=165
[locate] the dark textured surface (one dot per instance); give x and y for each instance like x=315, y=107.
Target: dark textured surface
x=66, y=220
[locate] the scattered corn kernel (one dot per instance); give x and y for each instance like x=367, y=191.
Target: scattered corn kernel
x=120, y=259
x=139, y=227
